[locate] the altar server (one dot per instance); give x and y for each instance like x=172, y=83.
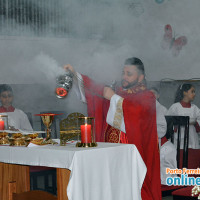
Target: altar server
x=16, y=117
x=167, y=156
x=127, y=116
x=183, y=106
x=157, y=96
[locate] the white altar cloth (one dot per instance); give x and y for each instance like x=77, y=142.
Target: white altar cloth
x=107, y=172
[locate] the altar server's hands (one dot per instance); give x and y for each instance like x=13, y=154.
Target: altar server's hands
x=108, y=93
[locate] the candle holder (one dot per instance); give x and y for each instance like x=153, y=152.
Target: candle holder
x=87, y=129
x=3, y=122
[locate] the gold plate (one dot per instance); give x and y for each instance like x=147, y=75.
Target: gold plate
x=17, y=135
x=3, y=134
x=17, y=142
x=4, y=140
x=32, y=135
x=38, y=141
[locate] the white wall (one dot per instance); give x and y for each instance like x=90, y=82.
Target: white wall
x=37, y=61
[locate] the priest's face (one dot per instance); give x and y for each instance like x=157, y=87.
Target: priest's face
x=131, y=76
x=6, y=98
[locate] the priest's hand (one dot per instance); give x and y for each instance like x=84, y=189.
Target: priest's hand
x=108, y=93
x=69, y=67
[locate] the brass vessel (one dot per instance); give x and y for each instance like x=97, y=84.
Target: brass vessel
x=92, y=144
x=3, y=134
x=87, y=133
x=17, y=141
x=17, y=135
x=4, y=138
x=68, y=135
x=32, y=135
x=47, y=119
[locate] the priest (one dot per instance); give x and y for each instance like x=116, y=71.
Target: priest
x=127, y=115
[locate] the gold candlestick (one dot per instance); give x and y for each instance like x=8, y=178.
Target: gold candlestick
x=47, y=119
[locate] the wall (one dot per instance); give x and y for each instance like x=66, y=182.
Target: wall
x=31, y=64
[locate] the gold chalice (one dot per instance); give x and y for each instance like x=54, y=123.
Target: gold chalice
x=47, y=119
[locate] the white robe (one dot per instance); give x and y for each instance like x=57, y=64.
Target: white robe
x=167, y=160
x=194, y=113
x=19, y=120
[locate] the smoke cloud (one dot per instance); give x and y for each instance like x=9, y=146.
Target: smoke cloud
x=95, y=37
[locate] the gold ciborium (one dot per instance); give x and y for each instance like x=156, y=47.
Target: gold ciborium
x=47, y=119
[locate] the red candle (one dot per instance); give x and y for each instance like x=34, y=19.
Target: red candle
x=86, y=133
x=1, y=124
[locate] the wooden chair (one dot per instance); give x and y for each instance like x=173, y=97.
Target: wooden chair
x=43, y=178
x=193, y=163
x=29, y=195
x=176, y=122
x=189, y=159
x=184, y=194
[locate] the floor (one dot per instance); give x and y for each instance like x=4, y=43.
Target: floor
x=167, y=198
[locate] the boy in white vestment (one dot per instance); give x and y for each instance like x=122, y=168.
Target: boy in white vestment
x=157, y=95
x=183, y=107
x=160, y=115
x=167, y=149
x=16, y=117
x=167, y=156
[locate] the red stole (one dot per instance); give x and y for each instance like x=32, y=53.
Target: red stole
x=141, y=130
x=139, y=109
x=9, y=109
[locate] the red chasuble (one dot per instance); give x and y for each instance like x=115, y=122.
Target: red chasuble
x=139, y=109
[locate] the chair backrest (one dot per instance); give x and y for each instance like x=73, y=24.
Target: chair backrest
x=176, y=122
x=29, y=195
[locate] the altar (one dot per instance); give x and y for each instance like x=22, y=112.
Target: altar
x=109, y=171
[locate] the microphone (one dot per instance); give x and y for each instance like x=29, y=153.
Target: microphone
x=112, y=85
